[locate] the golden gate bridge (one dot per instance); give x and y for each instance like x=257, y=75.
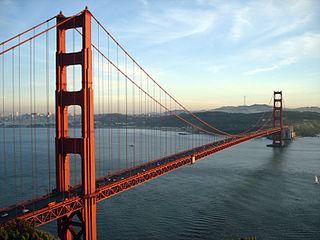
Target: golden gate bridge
x=116, y=127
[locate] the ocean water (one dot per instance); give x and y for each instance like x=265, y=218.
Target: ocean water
x=247, y=190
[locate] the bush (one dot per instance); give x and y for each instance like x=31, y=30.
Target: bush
x=21, y=230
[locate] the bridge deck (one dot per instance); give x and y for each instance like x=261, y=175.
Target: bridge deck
x=47, y=208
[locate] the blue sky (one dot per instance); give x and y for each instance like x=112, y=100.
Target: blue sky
x=206, y=53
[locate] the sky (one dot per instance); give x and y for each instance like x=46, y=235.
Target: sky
x=206, y=53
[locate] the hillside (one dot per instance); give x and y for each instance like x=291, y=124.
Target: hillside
x=257, y=108
x=19, y=229
x=304, y=123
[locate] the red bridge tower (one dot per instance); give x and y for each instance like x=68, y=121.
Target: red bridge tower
x=66, y=145
x=277, y=118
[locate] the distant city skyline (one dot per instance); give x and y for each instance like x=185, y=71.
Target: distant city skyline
x=206, y=53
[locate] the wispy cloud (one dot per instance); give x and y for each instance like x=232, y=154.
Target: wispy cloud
x=273, y=67
x=172, y=24
x=305, y=45
x=286, y=52
x=241, y=24
x=163, y=24
x=264, y=20
x=235, y=22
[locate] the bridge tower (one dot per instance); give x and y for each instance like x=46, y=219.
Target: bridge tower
x=66, y=145
x=277, y=118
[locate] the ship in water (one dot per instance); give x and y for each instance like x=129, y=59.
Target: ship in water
x=316, y=180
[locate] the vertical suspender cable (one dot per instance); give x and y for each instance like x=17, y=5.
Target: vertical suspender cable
x=126, y=96
x=13, y=131
x=192, y=145
x=199, y=142
x=20, y=136
x=94, y=84
x=149, y=125
x=103, y=119
x=109, y=110
x=133, y=118
x=202, y=136
x=140, y=119
x=175, y=128
x=31, y=121
x=48, y=110
x=145, y=123
x=160, y=117
x=166, y=130
x=34, y=109
x=171, y=129
x=4, y=134
x=99, y=103
x=153, y=129
x=118, y=108
x=111, y=118
x=151, y=105
x=155, y=123
x=74, y=100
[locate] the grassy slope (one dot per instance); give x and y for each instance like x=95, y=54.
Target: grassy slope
x=19, y=229
x=304, y=123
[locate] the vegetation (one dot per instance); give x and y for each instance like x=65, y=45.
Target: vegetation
x=21, y=230
x=304, y=123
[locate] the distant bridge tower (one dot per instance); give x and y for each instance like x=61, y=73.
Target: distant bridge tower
x=83, y=146
x=277, y=118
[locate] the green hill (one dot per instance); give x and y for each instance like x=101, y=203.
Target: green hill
x=304, y=123
x=21, y=230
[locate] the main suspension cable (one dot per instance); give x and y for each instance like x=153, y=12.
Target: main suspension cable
x=29, y=39
x=179, y=104
x=20, y=34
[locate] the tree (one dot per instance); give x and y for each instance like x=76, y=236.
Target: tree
x=21, y=230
